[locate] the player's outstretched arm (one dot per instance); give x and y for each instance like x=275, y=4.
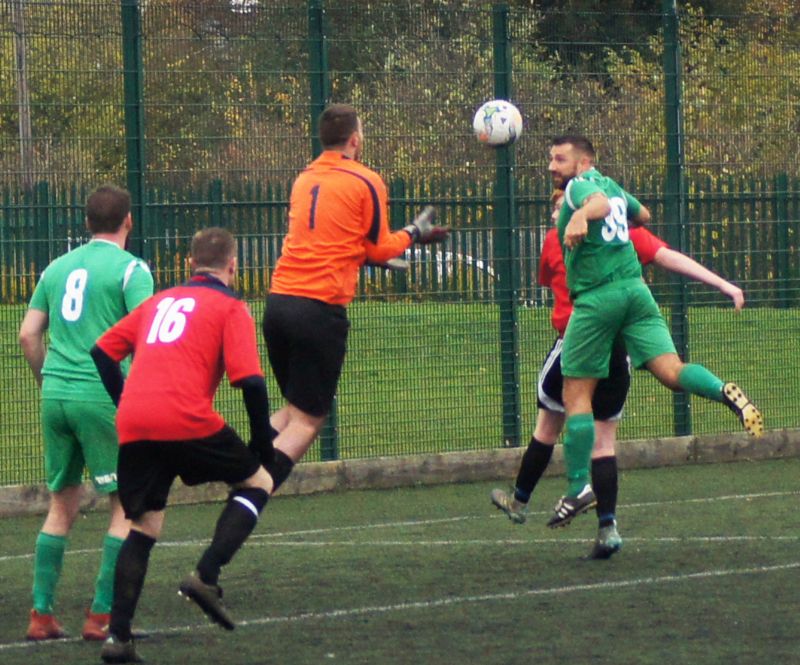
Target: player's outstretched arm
x=422, y=229
x=676, y=262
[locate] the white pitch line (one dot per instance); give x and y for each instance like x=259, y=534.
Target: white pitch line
x=516, y=595
x=428, y=522
x=456, y=600
x=29, y=555
x=650, y=504
x=712, y=499
x=518, y=541
x=364, y=527
x=500, y=542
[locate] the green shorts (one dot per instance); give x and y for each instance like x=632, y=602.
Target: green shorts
x=624, y=308
x=78, y=435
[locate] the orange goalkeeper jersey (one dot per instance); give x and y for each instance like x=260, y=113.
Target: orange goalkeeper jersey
x=337, y=221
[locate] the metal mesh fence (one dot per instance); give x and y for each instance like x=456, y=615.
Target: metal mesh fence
x=205, y=110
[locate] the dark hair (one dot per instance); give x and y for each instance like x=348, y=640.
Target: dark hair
x=106, y=208
x=213, y=247
x=578, y=141
x=557, y=193
x=337, y=124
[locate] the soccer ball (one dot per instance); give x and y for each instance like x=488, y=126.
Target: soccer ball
x=497, y=123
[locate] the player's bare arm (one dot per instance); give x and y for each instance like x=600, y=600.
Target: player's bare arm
x=595, y=207
x=31, y=340
x=675, y=261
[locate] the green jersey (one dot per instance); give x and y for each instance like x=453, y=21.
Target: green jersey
x=84, y=293
x=606, y=253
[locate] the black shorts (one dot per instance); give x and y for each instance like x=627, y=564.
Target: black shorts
x=147, y=469
x=306, y=342
x=610, y=394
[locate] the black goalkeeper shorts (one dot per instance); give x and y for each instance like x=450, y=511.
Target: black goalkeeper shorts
x=610, y=394
x=306, y=343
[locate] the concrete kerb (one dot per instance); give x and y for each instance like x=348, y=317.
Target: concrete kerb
x=496, y=464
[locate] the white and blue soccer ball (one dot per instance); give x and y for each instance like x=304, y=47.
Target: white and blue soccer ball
x=497, y=123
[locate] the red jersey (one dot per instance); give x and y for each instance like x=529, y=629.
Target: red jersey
x=553, y=274
x=337, y=220
x=646, y=244
x=183, y=339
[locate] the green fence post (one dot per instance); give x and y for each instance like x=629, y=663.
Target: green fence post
x=5, y=252
x=505, y=212
x=318, y=69
x=318, y=82
x=398, y=214
x=44, y=225
x=781, y=245
x=675, y=200
x=215, y=197
x=134, y=114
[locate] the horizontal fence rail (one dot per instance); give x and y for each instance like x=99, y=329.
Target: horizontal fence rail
x=735, y=228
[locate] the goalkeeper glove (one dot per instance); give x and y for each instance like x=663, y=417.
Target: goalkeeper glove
x=423, y=231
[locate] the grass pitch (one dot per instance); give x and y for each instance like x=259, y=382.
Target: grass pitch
x=425, y=378
x=707, y=574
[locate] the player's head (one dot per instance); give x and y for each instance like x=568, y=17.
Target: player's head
x=556, y=201
x=570, y=154
x=340, y=129
x=214, y=250
x=108, y=209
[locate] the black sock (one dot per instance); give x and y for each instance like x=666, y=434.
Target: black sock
x=128, y=582
x=235, y=524
x=604, y=484
x=280, y=468
x=534, y=462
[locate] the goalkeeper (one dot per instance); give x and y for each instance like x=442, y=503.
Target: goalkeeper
x=337, y=222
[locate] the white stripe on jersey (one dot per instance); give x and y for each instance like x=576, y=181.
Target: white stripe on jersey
x=568, y=195
x=129, y=271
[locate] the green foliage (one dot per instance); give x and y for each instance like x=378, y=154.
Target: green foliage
x=226, y=84
x=73, y=75
x=580, y=32
x=740, y=89
x=219, y=79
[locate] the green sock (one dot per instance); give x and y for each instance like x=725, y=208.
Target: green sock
x=104, y=585
x=578, y=444
x=697, y=380
x=48, y=559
